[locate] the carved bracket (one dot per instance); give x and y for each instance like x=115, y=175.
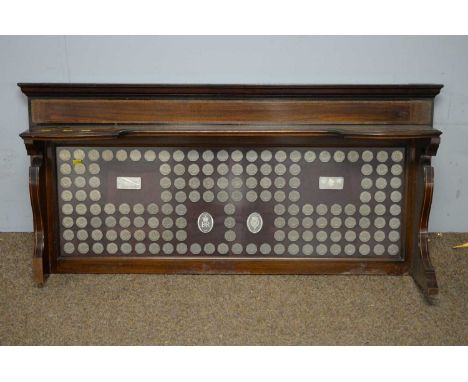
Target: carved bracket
x=421, y=268
x=36, y=170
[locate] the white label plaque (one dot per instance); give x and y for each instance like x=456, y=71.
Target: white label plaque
x=128, y=183
x=331, y=183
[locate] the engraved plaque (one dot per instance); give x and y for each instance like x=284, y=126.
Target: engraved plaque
x=331, y=182
x=128, y=183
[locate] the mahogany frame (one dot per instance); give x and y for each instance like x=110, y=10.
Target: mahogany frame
x=246, y=115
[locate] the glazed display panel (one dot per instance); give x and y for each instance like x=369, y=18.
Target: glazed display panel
x=327, y=202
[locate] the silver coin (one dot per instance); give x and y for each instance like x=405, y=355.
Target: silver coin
x=293, y=235
x=229, y=222
x=207, y=169
x=237, y=248
x=166, y=196
x=111, y=235
x=167, y=235
x=94, y=181
x=381, y=183
x=309, y=156
x=180, y=196
x=181, y=209
x=138, y=209
x=336, y=209
x=307, y=209
x=179, y=169
x=394, y=223
x=165, y=182
x=350, y=235
x=266, y=155
x=251, y=182
x=208, y=196
x=365, y=197
x=126, y=248
x=293, y=209
x=379, y=196
x=150, y=155
x=251, y=196
x=265, y=169
x=366, y=183
x=294, y=169
x=396, y=169
x=307, y=235
x=222, y=169
x=167, y=222
x=397, y=156
x=98, y=248
x=364, y=223
x=265, y=249
x=364, y=249
x=251, y=249
x=195, y=248
x=222, y=196
x=125, y=235
x=222, y=155
x=140, y=249
x=153, y=235
x=152, y=208
x=178, y=155
x=265, y=196
x=79, y=154
x=167, y=209
x=121, y=155
x=364, y=236
x=95, y=209
x=153, y=222
x=193, y=155
x=124, y=222
x=279, y=196
x=335, y=236
x=339, y=156
x=324, y=156
x=335, y=222
x=67, y=209
x=293, y=222
x=139, y=222
x=222, y=182
x=81, y=195
x=251, y=169
x=65, y=182
x=94, y=169
x=81, y=222
x=181, y=248
x=205, y=222
x=379, y=222
x=294, y=196
x=279, y=209
x=68, y=248
x=395, y=209
x=307, y=222
x=236, y=196
x=395, y=196
x=230, y=235
x=68, y=234
x=107, y=155
x=279, y=249
x=379, y=235
x=364, y=210
x=95, y=195
x=65, y=169
x=194, y=183
x=395, y=182
x=80, y=182
x=208, y=183
x=367, y=156
x=379, y=209
x=350, y=209
x=165, y=169
x=335, y=249
x=164, y=156
x=237, y=155
x=81, y=209
x=366, y=169
x=208, y=155
x=321, y=249
x=280, y=156
x=64, y=155
x=83, y=248
x=193, y=169
x=139, y=235
x=382, y=169
x=265, y=182
x=237, y=169
x=350, y=249
x=209, y=248
x=251, y=156
x=194, y=196
x=321, y=209
x=353, y=156
x=393, y=249
x=321, y=222
x=321, y=236
x=154, y=248
x=379, y=249
x=279, y=222
x=294, y=182
x=279, y=235
x=382, y=156
x=295, y=156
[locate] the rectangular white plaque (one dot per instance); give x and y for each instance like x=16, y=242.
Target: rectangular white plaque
x=331, y=183
x=128, y=183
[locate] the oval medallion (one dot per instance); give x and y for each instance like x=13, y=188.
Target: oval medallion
x=205, y=222
x=254, y=222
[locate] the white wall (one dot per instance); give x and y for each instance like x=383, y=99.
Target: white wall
x=259, y=60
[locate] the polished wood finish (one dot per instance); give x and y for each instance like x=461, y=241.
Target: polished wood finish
x=199, y=116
